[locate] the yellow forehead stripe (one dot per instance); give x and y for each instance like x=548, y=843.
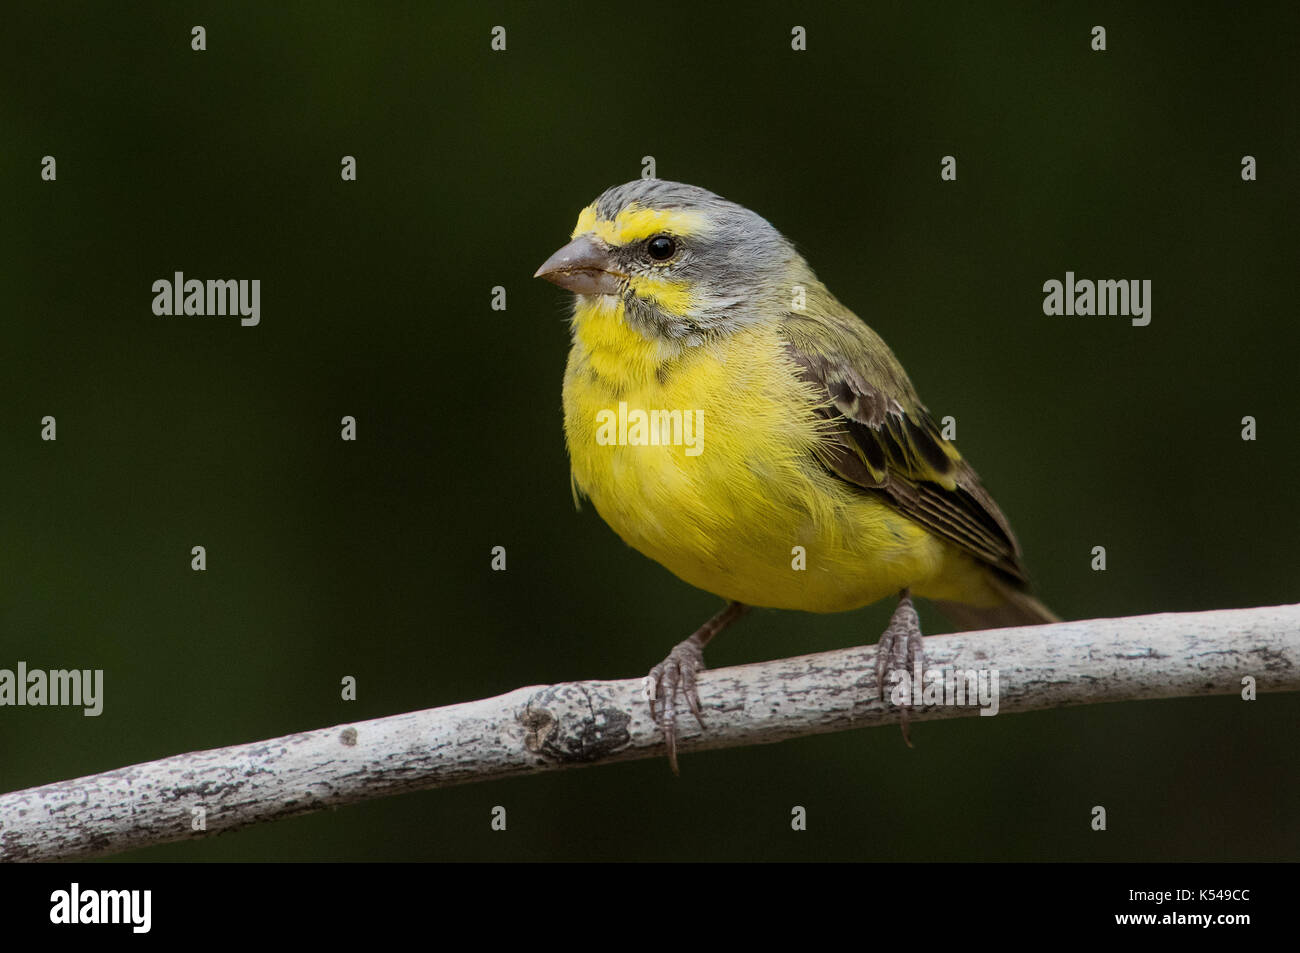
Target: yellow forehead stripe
x=636, y=222
x=586, y=221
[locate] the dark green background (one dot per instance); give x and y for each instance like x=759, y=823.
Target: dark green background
x=371, y=558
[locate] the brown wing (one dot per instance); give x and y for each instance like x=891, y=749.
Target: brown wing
x=889, y=444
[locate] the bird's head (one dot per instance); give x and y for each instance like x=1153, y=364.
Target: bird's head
x=685, y=264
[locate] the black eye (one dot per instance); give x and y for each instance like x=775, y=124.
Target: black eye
x=661, y=247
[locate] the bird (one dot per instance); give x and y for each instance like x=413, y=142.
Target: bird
x=730, y=419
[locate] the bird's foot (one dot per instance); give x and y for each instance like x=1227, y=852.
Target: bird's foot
x=677, y=673
x=901, y=649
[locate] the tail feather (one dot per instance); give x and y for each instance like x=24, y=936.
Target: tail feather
x=1019, y=609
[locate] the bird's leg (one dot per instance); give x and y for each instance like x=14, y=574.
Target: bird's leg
x=900, y=644
x=678, y=670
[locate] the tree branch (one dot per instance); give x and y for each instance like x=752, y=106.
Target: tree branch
x=544, y=728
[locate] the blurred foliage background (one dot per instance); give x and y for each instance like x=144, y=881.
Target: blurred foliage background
x=371, y=558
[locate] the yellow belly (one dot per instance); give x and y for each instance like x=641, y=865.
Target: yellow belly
x=740, y=508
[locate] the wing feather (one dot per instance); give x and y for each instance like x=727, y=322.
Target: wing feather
x=883, y=440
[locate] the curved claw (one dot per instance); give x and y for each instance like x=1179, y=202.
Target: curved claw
x=900, y=644
x=678, y=671
x=692, y=695
x=675, y=673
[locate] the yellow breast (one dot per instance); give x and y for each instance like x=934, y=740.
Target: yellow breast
x=704, y=459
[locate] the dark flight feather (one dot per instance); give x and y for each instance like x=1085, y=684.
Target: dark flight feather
x=884, y=441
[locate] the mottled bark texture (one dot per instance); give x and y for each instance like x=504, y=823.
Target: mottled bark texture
x=544, y=728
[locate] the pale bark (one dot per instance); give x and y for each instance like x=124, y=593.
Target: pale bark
x=544, y=728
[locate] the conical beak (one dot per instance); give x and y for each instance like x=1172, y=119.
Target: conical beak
x=583, y=266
